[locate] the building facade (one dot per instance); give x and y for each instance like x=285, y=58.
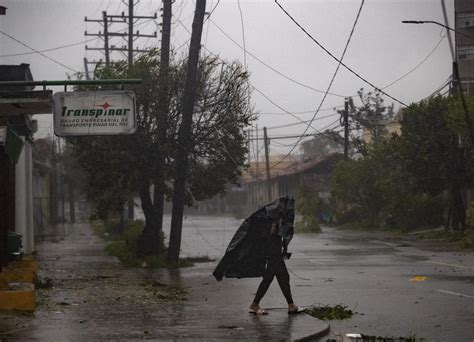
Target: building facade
x=464, y=24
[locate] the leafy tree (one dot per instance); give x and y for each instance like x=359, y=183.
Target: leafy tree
x=323, y=144
x=370, y=116
x=127, y=165
x=408, y=181
x=311, y=208
x=435, y=151
x=356, y=191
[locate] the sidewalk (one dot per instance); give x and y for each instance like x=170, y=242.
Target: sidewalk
x=95, y=298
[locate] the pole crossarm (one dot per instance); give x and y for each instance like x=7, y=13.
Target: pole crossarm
x=71, y=82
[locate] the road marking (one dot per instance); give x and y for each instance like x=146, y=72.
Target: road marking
x=452, y=265
x=456, y=294
x=316, y=262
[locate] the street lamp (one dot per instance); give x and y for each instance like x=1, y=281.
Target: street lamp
x=436, y=23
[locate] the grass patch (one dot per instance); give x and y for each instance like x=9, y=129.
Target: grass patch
x=456, y=240
x=122, y=243
x=167, y=293
x=329, y=313
x=307, y=226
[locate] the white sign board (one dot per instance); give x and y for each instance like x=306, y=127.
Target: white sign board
x=94, y=113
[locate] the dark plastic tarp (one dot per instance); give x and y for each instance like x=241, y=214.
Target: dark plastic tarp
x=244, y=257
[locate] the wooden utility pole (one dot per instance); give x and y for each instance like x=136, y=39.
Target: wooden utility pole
x=257, y=167
x=86, y=68
x=129, y=35
x=150, y=239
x=346, y=128
x=185, y=130
x=267, y=164
x=130, y=32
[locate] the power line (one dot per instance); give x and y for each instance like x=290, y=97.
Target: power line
x=302, y=122
x=337, y=59
x=417, y=66
x=277, y=105
x=212, y=11
x=52, y=49
x=39, y=52
x=255, y=88
x=330, y=83
x=207, y=27
x=62, y=46
x=303, y=112
x=269, y=66
x=243, y=33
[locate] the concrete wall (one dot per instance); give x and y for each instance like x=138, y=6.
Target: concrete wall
x=24, y=198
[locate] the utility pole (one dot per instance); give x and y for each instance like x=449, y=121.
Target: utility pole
x=86, y=68
x=105, y=23
x=130, y=32
x=184, y=141
x=150, y=239
x=346, y=128
x=267, y=164
x=107, y=34
x=257, y=166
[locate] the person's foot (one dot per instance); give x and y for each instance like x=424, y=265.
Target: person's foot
x=294, y=309
x=256, y=310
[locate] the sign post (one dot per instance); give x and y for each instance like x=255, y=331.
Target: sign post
x=94, y=113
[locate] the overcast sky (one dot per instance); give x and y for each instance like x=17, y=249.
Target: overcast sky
x=382, y=49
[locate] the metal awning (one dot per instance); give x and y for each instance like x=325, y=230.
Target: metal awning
x=14, y=103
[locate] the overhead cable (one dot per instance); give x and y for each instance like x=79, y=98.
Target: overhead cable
x=330, y=83
x=39, y=52
x=337, y=59
x=269, y=66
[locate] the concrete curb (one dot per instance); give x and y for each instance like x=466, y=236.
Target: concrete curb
x=17, y=289
x=316, y=335
x=23, y=299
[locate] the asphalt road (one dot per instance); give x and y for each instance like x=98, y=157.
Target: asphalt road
x=396, y=288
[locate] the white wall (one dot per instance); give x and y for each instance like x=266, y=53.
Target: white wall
x=24, y=198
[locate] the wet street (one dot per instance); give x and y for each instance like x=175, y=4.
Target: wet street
x=396, y=289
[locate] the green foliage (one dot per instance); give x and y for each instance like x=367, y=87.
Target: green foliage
x=470, y=215
x=329, y=313
x=165, y=292
x=310, y=207
x=123, y=245
x=322, y=144
x=116, y=172
x=369, y=117
x=401, y=182
x=356, y=191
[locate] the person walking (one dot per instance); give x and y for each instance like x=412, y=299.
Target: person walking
x=258, y=249
x=275, y=253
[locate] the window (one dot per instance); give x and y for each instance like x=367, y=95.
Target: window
x=466, y=52
x=465, y=20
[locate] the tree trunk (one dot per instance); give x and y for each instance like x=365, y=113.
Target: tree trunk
x=154, y=224
x=72, y=208
x=184, y=138
x=149, y=241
